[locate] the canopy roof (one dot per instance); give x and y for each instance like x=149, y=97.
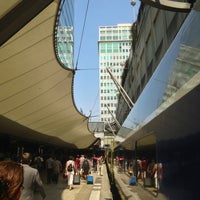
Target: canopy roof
x=36, y=98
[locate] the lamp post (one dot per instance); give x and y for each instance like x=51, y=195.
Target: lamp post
x=112, y=151
x=133, y=3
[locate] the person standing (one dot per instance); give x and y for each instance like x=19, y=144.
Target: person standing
x=82, y=158
x=49, y=169
x=100, y=166
x=38, y=161
x=70, y=170
x=32, y=179
x=86, y=168
x=77, y=164
x=57, y=168
x=11, y=180
x=143, y=168
x=94, y=162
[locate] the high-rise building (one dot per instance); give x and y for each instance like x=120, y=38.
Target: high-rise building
x=65, y=45
x=65, y=33
x=114, y=46
x=154, y=36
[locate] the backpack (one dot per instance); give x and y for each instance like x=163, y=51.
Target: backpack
x=70, y=167
x=86, y=164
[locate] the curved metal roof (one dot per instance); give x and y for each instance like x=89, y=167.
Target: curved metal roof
x=36, y=98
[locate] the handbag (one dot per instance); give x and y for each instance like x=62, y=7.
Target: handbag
x=64, y=175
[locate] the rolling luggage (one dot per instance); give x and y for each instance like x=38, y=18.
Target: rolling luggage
x=89, y=179
x=133, y=180
x=76, y=179
x=147, y=182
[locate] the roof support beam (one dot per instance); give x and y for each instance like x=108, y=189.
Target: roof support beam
x=118, y=124
x=121, y=90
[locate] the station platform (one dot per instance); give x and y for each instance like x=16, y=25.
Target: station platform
x=99, y=190
x=134, y=192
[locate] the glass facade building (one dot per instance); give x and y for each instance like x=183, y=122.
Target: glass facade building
x=114, y=48
x=65, y=34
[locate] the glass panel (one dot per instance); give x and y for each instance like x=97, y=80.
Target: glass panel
x=174, y=73
x=65, y=34
x=115, y=47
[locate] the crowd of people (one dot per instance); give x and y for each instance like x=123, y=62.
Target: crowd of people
x=20, y=179
x=82, y=166
x=149, y=169
x=141, y=168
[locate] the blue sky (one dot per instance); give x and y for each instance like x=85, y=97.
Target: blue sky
x=100, y=13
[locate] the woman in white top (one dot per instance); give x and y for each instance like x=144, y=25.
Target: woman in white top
x=70, y=169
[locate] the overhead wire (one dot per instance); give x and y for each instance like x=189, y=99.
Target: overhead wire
x=79, y=50
x=94, y=105
x=87, y=69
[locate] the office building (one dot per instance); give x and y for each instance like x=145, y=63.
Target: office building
x=64, y=35
x=153, y=33
x=65, y=45
x=114, y=48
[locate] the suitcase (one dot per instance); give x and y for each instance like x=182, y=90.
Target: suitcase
x=147, y=182
x=133, y=180
x=89, y=179
x=76, y=179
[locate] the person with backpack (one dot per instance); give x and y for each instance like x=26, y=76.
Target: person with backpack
x=70, y=170
x=85, y=168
